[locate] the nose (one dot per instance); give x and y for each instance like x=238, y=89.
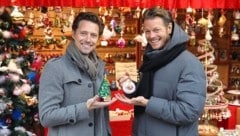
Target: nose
x=88, y=37
x=151, y=34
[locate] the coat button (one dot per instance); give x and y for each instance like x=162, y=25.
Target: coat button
x=79, y=80
x=90, y=124
x=89, y=85
x=71, y=121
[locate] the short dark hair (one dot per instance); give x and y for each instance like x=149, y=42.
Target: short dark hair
x=158, y=12
x=89, y=16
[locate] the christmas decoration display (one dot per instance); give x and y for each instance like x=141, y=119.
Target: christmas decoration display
x=19, y=73
x=235, y=70
x=67, y=25
x=115, y=26
x=216, y=105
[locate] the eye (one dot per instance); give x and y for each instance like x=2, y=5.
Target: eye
x=83, y=33
x=94, y=35
x=156, y=30
x=146, y=31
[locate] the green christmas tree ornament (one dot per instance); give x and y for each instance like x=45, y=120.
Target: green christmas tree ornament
x=104, y=90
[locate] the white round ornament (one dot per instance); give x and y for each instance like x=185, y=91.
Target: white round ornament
x=128, y=87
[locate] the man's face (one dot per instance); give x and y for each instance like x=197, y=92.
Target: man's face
x=86, y=36
x=156, y=32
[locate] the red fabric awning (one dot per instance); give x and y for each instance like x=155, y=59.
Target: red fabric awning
x=223, y=4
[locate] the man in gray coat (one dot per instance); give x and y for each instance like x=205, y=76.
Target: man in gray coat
x=68, y=100
x=170, y=96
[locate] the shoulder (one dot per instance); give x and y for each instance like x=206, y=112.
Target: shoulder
x=188, y=61
x=188, y=57
x=54, y=60
x=58, y=62
x=54, y=64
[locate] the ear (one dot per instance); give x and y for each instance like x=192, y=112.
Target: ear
x=73, y=35
x=170, y=28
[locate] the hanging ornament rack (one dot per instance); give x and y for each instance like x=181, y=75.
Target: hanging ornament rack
x=216, y=104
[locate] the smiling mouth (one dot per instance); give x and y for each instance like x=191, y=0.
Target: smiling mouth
x=154, y=40
x=86, y=44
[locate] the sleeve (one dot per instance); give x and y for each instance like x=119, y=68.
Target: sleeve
x=51, y=95
x=190, y=98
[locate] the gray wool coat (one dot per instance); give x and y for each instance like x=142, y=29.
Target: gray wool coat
x=179, y=94
x=63, y=92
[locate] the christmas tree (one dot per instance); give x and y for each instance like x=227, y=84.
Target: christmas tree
x=104, y=91
x=19, y=72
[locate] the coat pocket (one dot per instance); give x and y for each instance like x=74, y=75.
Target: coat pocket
x=78, y=90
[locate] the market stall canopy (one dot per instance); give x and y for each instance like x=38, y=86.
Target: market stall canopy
x=169, y=4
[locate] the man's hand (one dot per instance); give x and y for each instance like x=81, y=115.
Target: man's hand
x=139, y=101
x=95, y=103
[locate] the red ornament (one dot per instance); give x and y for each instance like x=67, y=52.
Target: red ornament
x=121, y=43
x=22, y=34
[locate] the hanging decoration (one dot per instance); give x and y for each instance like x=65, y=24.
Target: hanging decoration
x=216, y=103
x=31, y=23
x=202, y=21
x=137, y=13
x=208, y=36
x=121, y=41
x=235, y=27
x=17, y=16
x=189, y=25
x=222, y=20
x=68, y=21
x=107, y=33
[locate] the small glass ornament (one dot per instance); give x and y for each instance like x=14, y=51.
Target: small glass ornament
x=128, y=87
x=104, y=91
x=121, y=42
x=192, y=41
x=113, y=86
x=118, y=29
